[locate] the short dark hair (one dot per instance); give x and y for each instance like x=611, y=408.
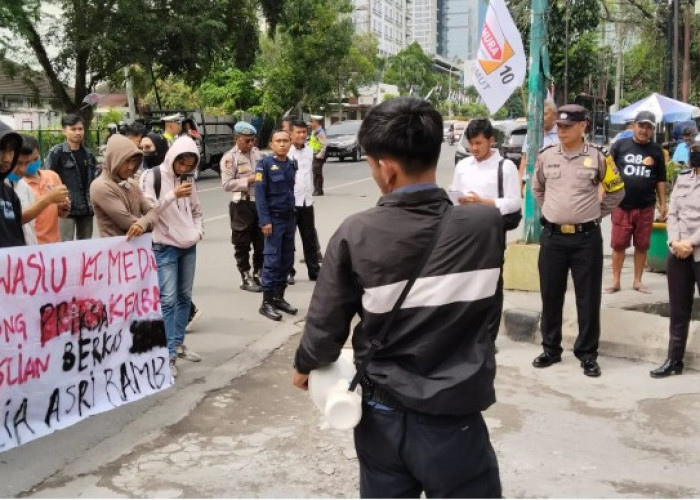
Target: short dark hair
x=135, y=129
x=687, y=131
x=29, y=144
x=406, y=129
x=71, y=119
x=479, y=126
x=298, y=124
x=278, y=131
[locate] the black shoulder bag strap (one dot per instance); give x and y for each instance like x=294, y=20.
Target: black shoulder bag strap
x=156, y=181
x=377, y=342
x=500, y=178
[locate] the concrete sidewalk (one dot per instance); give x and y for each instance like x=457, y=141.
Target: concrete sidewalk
x=631, y=322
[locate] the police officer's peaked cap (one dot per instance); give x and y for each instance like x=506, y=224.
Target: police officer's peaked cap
x=570, y=114
x=177, y=117
x=317, y=118
x=646, y=117
x=244, y=128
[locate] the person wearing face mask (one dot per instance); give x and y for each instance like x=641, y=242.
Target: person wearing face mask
x=43, y=196
x=154, y=147
x=11, y=233
x=683, y=264
x=120, y=206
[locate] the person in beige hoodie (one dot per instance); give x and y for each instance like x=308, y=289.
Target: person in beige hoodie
x=175, y=238
x=120, y=206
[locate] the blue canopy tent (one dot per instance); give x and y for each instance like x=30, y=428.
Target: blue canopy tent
x=664, y=108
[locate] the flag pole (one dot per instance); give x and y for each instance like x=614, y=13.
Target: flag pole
x=538, y=72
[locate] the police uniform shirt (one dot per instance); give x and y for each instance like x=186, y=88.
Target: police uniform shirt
x=642, y=167
x=236, y=168
x=565, y=185
x=274, y=188
x=303, y=183
x=684, y=211
x=550, y=138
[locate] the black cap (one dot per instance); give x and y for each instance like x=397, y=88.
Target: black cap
x=645, y=117
x=570, y=114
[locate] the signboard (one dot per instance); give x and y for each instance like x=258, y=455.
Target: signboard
x=81, y=333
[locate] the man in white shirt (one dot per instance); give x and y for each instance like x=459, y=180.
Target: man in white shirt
x=303, y=155
x=476, y=176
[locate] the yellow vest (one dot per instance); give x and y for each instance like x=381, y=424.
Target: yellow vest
x=314, y=143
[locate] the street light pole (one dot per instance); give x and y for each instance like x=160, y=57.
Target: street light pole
x=566, y=54
x=538, y=72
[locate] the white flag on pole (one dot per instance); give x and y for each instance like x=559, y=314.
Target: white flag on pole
x=501, y=65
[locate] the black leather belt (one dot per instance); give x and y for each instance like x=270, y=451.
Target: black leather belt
x=583, y=227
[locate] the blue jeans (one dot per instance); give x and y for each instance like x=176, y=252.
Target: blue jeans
x=175, y=276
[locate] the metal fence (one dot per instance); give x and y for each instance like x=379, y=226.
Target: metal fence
x=48, y=138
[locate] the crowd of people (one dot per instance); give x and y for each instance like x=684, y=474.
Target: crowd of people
x=422, y=260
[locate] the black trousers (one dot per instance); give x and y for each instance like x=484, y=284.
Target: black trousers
x=317, y=170
x=402, y=454
x=582, y=253
x=683, y=277
x=245, y=232
x=309, y=239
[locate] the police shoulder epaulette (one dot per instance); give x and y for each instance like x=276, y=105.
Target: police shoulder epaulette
x=545, y=148
x=602, y=149
x=685, y=171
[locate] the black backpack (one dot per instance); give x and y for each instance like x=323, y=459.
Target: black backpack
x=510, y=221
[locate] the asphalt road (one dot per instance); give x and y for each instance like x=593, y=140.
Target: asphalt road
x=234, y=426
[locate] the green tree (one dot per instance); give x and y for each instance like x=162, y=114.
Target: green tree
x=97, y=38
x=174, y=94
x=299, y=66
x=229, y=91
x=357, y=68
x=411, y=69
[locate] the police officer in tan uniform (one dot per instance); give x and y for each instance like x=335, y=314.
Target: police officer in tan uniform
x=568, y=178
x=238, y=177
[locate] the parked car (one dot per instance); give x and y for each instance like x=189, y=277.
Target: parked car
x=509, y=137
x=342, y=140
x=213, y=134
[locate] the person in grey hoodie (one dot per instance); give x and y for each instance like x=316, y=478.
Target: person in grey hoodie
x=175, y=238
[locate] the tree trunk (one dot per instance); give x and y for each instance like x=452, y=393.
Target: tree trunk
x=686, y=54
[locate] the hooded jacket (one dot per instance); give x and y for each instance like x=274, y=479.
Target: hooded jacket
x=180, y=223
x=11, y=233
x=120, y=203
x=158, y=158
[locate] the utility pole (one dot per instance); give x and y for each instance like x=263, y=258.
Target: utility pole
x=675, y=49
x=130, y=94
x=449, y=95
x=536, y=87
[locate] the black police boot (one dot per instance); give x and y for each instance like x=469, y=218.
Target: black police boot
x=256, y=277
x=282, y=304
x=248, y=284
x=267, y=308
x=670, y=367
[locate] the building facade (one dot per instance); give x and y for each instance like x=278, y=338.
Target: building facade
x=389, y=20
x=459, y=27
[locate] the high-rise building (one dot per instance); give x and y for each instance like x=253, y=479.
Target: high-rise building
x=389, y=20
x=424, y=26
x=459, y=27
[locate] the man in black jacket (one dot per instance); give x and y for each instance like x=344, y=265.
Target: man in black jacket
x=425, y=389
x=11, y=234
x=77, y=168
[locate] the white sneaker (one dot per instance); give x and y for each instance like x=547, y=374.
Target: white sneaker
x=173, y=368
x=184, y=353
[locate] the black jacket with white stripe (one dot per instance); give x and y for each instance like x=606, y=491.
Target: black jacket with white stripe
x=438, y=357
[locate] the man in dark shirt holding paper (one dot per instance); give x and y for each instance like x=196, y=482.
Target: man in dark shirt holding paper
x=642, y=167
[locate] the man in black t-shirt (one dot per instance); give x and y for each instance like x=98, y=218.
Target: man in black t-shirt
x=11, y=233
x=642, y=167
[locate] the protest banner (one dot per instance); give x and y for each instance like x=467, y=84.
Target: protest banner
x=81, y=333
x=500, y=66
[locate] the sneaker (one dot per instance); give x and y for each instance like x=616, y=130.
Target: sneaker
x=184, y=353
x=173, y=368
x=196, y=313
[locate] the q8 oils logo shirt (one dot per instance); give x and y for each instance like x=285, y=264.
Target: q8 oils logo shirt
x=641, y=167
